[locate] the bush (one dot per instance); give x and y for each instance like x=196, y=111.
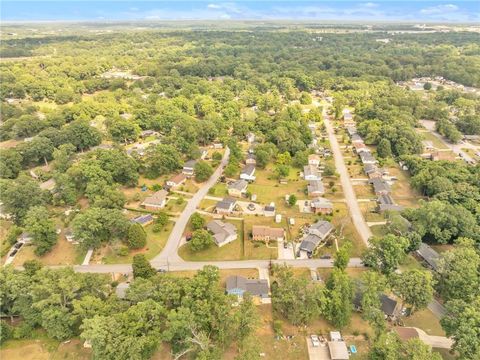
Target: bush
x=277, y=327
x=6, y=332
x=216, y=156
x=22, y=331
x=203, y=171
x=156, y=187
x=201, y=240
x=122, y=251
x=197, y=221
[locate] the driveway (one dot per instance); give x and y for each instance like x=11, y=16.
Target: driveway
x=317, y=353
x=169, y=252
x=350, y=197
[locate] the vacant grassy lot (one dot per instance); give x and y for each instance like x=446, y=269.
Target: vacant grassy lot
x=155, y=244
x=224, y=274
x=426, y=321
x=427, y=135
x=44, y=349
x=402, y=191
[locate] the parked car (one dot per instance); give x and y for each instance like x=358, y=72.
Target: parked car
x=315, y=340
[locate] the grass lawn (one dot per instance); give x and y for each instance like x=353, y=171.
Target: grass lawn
x=207, y=204
x=173, y=205
x=218, y=190
x=410, y=263
x=63, y=253
x=155, y=244
x=231, y=251
x=364, y=191
x=379, y=230
x=44, y=348
x=402, y=192
x=439, y=144
x=425, y=320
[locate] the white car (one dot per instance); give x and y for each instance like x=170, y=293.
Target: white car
x=315, y=340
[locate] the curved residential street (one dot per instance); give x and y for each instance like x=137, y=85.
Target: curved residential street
x=350, y=197
x=169, y=252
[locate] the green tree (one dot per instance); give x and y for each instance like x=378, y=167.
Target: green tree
x=305, y=99
x=63, y=157
x=386, y=253
x=136, y=237
x=161, y=159
x=203, y=171
x=374, y=285
x=342, y=256
x=201, y=240
x=415, y=287
x=19, y=196
x=141, y=267
x=197, y=221
x=329, y=169
x=123, y=130
x=83, y=136
x=457, y=272
x=292, y=200
x=340, y=294
x=160, y=221
x=384, y=148
x=10, y=163
x=42, y=229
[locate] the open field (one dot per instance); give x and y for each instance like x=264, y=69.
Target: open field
x=437, y=143
x=425, y=320
x=224, y=274
x=44, y=348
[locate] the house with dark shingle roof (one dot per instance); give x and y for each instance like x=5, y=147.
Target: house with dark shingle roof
x=315, y=188
x=225, y=206
x=189, y=168
x=429, y=255
x=367, y=158
x=248, y=172
x=237, y=188
x=380, y=186
x=316, y=233
x=386, y=203
x=143, y=220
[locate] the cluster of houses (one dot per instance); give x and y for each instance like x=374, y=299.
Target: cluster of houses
x=314, y=235
x=315, y=188
x=376, y=175
x=419, y=83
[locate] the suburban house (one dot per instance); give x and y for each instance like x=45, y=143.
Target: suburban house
x=223, y=233
x=321, y=206
x=143, y=220
x=237, y=188
x=313, y=160
x=380, y=186
x=248, y=172
x=225, y=206
x=266, y=233
x=386, y=203
x=367, y=158
x=337, y=348
x=238, y=285
x=347, y=115
x=360, y=147
x=390, y=307
x=311, y=173
x=121, y=290
x=189, y=168
x=429, y=255
x=356, y=138
x=251, y=159
x=251, y=137
x=315, y=188
x=351, y=130
x=269, y=210
x=316, y=233
x=177, y=180
x=372, y=171
x=48, y=185
x=155, y=202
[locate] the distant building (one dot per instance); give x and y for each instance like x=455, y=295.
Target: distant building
x=251, y=159
x=177, y=180
x=380, y=186
x=337, y=348
x=155, y=202
x=347, y=115
x=223, y=233
x=360, y=147
x=372, y=171
x=248, y=172
x=386, y=203
x=311, y=173
x=143, y=220
x=315, y=188
x=266, y=233
x=121, y=290
x=25, y=238
x=321, y=206
x=238, y=285
x=351, y=130
x=429, y=255
x=225, y=206
x=237, y=188
x=390, y=307
x=367, y=158
x=189, y=168
x=69, y=236
x=48, y=185
x=356, y=138
x=313, y=160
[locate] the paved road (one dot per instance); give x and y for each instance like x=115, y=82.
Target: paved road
x=197, y=265
x=350, y=197
x=434, y=341
x=437, y=309
x=169, y=252
x=456, y=148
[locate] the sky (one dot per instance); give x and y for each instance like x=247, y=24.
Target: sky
x=416, y=11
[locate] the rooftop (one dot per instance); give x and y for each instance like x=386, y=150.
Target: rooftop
x=221, y=230
x=238, y=185
x=253, y=286
x=429, y=255
x=248, y=169
x=266, y=231
x=226, y=203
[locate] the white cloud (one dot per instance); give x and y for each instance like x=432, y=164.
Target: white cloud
x=370, y=5
x=214, y=6
x=439, y=9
